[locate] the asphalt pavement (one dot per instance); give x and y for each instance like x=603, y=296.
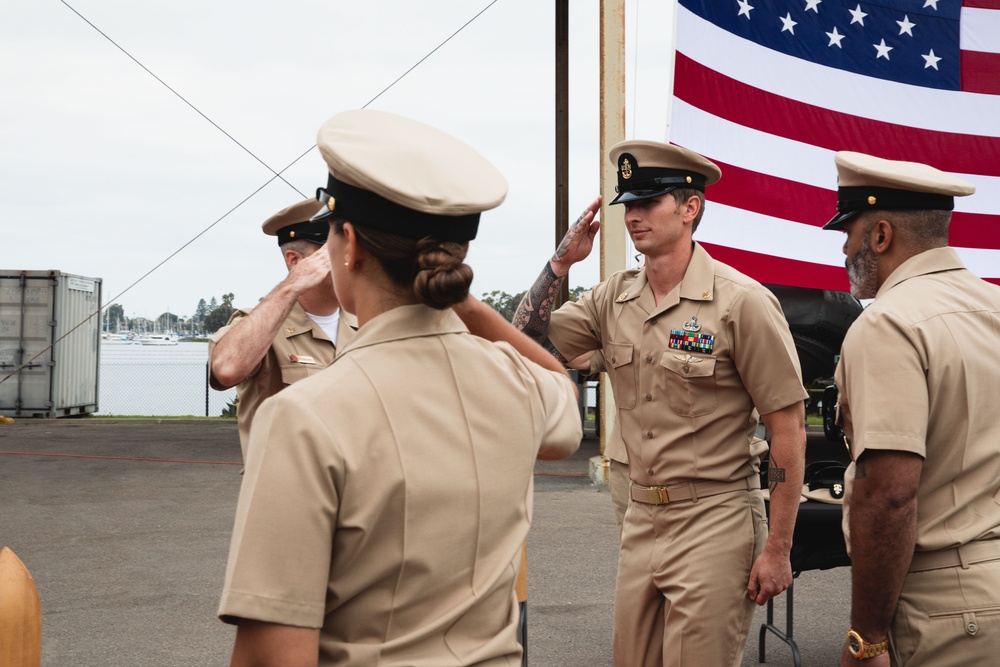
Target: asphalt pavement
x=125, y=526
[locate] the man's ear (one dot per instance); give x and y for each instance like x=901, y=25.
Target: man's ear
x=880, y=236
x=292, y=257
x=691, y=208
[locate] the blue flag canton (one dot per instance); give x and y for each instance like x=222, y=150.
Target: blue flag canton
x=908, y=41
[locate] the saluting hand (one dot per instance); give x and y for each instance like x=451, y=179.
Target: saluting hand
x=579, y=240
x=308, y=272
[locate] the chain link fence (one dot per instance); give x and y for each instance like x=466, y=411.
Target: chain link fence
x=158, y=380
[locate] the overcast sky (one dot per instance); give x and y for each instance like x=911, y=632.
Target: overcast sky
x=106, y=172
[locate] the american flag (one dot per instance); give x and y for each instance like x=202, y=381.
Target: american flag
x=770, y=89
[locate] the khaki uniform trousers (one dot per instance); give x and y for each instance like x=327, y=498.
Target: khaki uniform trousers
x=683, y=568
x=949, y=615
x=618, y=481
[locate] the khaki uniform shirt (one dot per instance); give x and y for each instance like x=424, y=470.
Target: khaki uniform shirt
x=920, y=372
x=300, y=349
x=686, y=405
x=386, y=500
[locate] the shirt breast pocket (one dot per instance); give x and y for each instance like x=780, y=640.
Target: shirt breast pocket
x=618, y=357
x=690, y=383
x=292, y=373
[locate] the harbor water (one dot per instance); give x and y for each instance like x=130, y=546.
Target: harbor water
x=158, y=380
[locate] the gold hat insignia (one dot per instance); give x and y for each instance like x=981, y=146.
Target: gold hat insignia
x=292, y=233
x=688, y=179
x=626, y=169
x=871, y=200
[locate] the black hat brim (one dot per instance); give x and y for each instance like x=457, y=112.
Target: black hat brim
x=638, y=195
x=837, y=222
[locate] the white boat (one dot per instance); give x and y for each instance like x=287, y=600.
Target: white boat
x=159, y=339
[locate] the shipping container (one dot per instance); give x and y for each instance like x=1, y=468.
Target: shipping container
x=50, y=343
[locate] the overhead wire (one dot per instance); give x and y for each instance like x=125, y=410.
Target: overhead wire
x=277, y=174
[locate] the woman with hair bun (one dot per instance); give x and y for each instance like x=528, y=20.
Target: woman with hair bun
x=386, y=498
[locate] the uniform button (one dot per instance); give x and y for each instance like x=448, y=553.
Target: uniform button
x=650, y=472
x=649, y=359
x=650, y=435
x=614, y=360
x=653, y=322
x=649, y=397
x=687, y=369
x=972, y=628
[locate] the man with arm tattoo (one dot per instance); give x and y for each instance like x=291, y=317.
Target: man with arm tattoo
x=695, y=351
x=917, y=377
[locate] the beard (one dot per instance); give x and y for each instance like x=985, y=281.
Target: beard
x=862, y=271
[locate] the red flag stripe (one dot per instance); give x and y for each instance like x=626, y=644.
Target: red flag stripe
x=981, y=4
x=807, y=204
x=783, y=271
x=727, y=98
x=981, y=72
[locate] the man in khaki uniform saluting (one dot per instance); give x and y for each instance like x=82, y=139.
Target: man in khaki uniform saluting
x=293, y=332
x=694, y=350
x=918, y=379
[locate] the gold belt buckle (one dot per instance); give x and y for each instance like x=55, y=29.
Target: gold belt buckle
x=662, y=497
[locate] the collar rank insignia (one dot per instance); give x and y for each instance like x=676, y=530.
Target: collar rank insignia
x=622, y=296
x=691, y=341
x=692, y=324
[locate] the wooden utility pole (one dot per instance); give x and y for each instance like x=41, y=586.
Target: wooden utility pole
x=613, y=249
x=562, y=131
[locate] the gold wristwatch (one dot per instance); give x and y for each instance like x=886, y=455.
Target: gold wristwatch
x=861, y=649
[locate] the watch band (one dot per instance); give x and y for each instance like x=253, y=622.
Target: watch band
x=862, y=649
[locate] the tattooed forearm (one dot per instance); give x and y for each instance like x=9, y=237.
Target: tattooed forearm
x=774, y=474
x=535, y=310
x=554, y=352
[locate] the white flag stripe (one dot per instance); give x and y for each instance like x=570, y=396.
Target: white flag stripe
x=980, y=30
x=745, y=230
x=769, y=154
x=741, y=59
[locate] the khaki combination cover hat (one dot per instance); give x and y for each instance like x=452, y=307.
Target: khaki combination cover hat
x=404, y=177
x=649, y=169
x=293, y=224
x=866, y=182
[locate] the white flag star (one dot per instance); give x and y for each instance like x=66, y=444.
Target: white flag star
x=906, y=26
x=835, y=38
x=787, y=23
x=883, y=50
x=745, y=8
x=931, y=3
x=813, y=5
x=858, y=16
x=932, y=60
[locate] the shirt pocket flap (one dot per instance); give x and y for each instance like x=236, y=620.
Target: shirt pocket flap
x=618, y=354
x=688, y=366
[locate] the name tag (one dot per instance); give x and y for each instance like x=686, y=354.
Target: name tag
x=301, y=359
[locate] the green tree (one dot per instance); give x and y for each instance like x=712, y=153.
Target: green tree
x=506, y=304
x=115, y=317
x=217, y=319
x=503, y=303
x=201, y=311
